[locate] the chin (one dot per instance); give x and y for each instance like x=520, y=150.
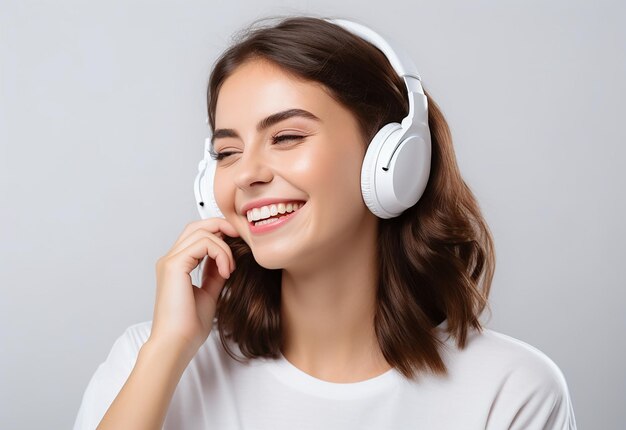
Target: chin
x=269, y=266
x=268, y=262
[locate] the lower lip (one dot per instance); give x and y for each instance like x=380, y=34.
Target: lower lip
x=257, y=229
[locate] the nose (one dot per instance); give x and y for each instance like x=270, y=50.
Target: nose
x=251, y=168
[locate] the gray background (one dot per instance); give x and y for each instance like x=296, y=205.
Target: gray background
x=102, y=120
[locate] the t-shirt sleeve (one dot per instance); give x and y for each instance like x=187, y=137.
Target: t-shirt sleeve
x=533, y=396
x=110, y=376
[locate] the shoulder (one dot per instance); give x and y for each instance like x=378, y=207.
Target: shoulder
x=125, y=350
x=512, y=355
x=525, y=386
x=492, y=350
x=137, y=334
x=126, y=347
x=523, y=358
x=111, y=374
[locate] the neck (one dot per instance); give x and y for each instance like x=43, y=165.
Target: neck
x=327, y=313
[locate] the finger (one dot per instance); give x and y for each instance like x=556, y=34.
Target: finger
x=194, y=236
x=189, y=256
x=213, y=225
x=207, y=282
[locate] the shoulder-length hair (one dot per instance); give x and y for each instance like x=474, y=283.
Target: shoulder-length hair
x=436, y=260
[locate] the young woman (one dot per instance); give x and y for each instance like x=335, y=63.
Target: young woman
x=332, y=317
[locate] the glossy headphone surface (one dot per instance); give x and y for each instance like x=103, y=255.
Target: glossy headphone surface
x=396, y=166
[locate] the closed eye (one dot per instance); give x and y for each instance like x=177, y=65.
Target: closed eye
x=276, y=139
x=286, y=137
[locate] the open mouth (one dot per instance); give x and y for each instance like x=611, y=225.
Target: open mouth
x=276, y=218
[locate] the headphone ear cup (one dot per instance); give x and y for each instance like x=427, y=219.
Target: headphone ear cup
x=388, y=193
x=206, y=180
x=214, y=209
x=369, y=170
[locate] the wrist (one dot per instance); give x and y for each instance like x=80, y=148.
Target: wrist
x=170, y=352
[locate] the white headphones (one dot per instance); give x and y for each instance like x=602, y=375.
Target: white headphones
x=396, y=166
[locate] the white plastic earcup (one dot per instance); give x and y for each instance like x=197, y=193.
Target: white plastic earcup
x=394, y=176
x=197, y=189
x=203, y=185
x=370, y=166
x=402, y=185
x=211, y=205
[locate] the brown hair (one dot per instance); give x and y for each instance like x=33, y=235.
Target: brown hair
x=444, y=265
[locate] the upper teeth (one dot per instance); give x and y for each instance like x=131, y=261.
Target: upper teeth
x=263, y=212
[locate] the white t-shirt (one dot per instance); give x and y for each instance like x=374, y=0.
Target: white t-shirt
x=496, y=382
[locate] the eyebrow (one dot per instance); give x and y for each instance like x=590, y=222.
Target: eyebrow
x=267, y=122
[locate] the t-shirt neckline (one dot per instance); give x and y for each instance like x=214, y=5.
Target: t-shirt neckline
x=289, y=374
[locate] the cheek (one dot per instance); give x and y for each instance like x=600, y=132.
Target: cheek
x=334, y=177
x=317, y=170
x=222, y=191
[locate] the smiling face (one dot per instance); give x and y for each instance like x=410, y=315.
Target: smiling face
x=321, y=167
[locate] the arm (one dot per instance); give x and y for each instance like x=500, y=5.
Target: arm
x=144, y=399
x=183, y=319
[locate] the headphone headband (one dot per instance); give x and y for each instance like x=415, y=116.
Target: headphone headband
x=403, y=65
x=398, y=57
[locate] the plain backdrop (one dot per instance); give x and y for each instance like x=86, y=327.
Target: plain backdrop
x=102, y=121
